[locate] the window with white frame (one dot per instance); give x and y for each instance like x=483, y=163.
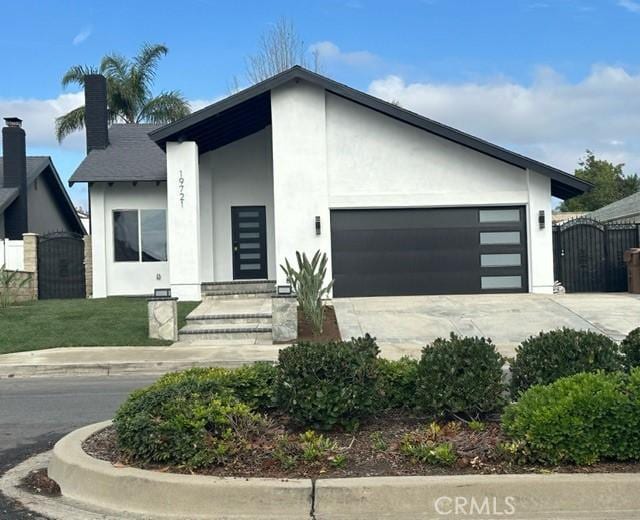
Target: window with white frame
x=140, y=235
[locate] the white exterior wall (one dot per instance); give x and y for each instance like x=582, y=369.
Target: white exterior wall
x=376, y=161
x=183, y=216
x=300, y=181
x=239, y=174
x=540, y=240
x=112, y=278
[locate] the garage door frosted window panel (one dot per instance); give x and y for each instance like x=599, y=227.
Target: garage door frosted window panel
x=499, y=215
x=501, y=260
x=501, y=282
x=499, y=237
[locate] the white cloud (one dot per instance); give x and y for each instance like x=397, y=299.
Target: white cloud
x=82, y=35
x=630, y=5
x=552, y=119
x=330, y=53
x=39, y=116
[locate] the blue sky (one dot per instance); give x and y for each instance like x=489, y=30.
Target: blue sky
x=548, y=78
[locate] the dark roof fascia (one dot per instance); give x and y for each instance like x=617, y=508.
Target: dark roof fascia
x=63, y=196
x=173, y=130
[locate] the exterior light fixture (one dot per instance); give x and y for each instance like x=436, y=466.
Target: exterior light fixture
x=162, y=293
x=318, y=226
x=541, y=219
x=283, y=290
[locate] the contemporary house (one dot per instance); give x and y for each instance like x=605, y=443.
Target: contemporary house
x=400, y=203
x=32, y=196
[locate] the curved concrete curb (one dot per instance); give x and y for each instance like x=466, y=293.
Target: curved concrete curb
x=163, y=495
x=100, y=484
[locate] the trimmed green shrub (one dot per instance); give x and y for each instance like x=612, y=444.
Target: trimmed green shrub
x=461, y=376
x=325, y=385
x=630, y=347
x=195, y=417
x=551, y=355
x=180, y=428
x=397, y=383
x=580, y=419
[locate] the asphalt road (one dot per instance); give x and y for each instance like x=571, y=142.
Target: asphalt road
x=36, y=412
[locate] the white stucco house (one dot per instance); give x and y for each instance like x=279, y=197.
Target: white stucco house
x=400, y=203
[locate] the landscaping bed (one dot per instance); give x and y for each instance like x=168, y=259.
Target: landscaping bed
x=330, y=330
x=378, y=448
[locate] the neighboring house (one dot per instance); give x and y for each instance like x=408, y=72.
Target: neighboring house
x=563, y=216
x=623, y=210
x=32, y=197
x=401, y=204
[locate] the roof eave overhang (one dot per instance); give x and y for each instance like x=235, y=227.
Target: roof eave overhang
x=564, y=185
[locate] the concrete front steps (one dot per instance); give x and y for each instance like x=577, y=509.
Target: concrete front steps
x=231, y=311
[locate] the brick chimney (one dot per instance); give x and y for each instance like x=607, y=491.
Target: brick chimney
x=96, y=119
x=14, y=159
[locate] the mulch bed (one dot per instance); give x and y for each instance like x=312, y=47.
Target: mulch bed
x=330, y=330
x=39, y=483
x=375, y=449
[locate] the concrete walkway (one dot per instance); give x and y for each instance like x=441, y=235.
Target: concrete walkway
x=403, y=325
x=141, y=360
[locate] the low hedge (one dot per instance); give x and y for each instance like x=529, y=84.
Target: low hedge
x=630, y=348
x=580, y=419
x=326, y=385
x=460, y=376
x=397, y=383
x=196, y=417
x=542, y=359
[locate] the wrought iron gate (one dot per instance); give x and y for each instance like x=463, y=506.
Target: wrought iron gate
x=61, y=266
x=587, y=254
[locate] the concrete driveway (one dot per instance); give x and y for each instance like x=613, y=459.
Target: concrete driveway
x=403, y=325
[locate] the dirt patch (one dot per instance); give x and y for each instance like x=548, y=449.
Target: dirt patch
x=39, y=483
x=390, y=445
x=330, y=330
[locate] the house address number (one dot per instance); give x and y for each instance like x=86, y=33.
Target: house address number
x=181, y=189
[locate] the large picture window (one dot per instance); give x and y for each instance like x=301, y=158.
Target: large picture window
x=140, y=235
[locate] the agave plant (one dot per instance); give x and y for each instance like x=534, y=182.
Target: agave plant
x=10, y=282
x=307, y=282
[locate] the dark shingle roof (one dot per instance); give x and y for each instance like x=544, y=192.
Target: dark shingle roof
x=7, y=196
x=35, y=166
x=623, y=209
x=130, y=156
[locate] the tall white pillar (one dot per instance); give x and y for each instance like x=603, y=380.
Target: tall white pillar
x=183, y=220
x=99, y=225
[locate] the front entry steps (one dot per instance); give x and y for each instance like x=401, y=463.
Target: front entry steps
x=239, y=289
x=231, y=311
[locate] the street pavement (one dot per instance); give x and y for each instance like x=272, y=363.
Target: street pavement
x=36, y=412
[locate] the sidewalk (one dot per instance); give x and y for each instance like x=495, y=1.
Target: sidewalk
x=141, y=360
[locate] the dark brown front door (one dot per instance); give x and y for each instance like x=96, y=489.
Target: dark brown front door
x=249, y=236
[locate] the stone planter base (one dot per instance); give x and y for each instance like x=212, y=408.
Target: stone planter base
x=98, y=484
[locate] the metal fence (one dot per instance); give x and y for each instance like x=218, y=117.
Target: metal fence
x=588, y=255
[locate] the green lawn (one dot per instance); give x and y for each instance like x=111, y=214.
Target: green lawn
x=78, y=323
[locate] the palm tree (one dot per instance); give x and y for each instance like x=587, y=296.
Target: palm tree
x=129, y=98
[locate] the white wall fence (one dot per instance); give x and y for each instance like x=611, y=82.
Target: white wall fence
x=12, y=254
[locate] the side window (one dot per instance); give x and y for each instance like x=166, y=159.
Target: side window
x=125, y=236
x=153, y=226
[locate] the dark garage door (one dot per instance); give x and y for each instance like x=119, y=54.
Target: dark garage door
x=386, y=252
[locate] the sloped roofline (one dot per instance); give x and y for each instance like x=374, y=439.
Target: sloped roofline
x=63, y=195
x=564, y=184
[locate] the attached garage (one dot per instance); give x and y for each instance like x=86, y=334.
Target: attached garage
x=394, y=252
